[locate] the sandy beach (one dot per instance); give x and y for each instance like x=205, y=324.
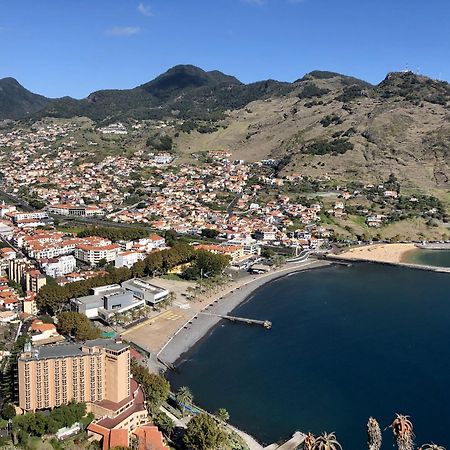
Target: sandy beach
x=382, y=253
x=198, y=325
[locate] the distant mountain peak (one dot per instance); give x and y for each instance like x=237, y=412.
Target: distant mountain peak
x=182, y=77
x=17, y=102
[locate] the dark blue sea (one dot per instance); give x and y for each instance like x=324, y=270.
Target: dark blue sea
x=346, y=343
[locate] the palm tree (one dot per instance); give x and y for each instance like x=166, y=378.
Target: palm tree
x=374, y=434
x=402, y=428
x=184, y=397
x=431, y=447
x=222, y=414
x=309, y=442
x=327, y=441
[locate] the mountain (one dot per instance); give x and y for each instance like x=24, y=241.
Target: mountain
x=328, y=124
x=17, y=102
x=183, y=91
x=324, y=123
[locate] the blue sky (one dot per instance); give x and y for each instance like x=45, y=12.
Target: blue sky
x=73, y=47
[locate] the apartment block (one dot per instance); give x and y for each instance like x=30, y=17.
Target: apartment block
x=94, y=372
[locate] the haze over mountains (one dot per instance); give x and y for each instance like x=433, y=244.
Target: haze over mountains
x=322, y=123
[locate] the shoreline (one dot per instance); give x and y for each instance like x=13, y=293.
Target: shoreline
x=200, y=326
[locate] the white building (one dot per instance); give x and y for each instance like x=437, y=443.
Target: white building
x=58, y=267
x=93, y=254
x=114, y=128
x=20, y=216
x=128, y=259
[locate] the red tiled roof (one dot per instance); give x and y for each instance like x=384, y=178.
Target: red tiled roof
x=150, y=438
x=118, y=438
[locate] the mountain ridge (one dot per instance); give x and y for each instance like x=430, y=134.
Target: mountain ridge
x=212, y=91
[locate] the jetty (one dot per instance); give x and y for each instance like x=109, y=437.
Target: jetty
x=265, y=323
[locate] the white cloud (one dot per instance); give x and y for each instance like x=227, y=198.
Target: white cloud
x=145, y=10
x=123, y=31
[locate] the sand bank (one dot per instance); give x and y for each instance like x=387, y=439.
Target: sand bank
x=383, y=253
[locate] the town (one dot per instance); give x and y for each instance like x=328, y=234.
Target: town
x=104, y=260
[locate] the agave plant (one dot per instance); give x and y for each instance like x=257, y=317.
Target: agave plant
x=374, y=434
x=403, y=431
x=431, y=447
x=327, y=441
x=309, y=442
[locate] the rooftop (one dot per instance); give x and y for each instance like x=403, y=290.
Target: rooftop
x=70, y=349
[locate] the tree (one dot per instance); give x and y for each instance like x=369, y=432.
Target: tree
x=156, y=388
x=77, y=325
x=184, y=398
x=222, y=414
x=203, y=433
x=278, y=260
x=164, y=423
x=102, y=263
x=8, y=411
x=374, y=434
x=209, y=233
x=267, y=252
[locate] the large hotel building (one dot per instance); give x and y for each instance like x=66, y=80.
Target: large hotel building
x=91, y=372
x=96, y=372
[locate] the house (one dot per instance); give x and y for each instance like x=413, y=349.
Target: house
x=44, y=333
x=8, y=253
x=391, y=194
x=118, y=420
x=7, y=316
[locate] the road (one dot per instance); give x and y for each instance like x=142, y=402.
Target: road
x=232, y=204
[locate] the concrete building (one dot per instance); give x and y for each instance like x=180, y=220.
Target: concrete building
x=22, y=271
x=95, y=372
x=18, y=216
x=105, y=302
x=93, y=254
x=128, y=259
x=58, y=267
x=150, y=293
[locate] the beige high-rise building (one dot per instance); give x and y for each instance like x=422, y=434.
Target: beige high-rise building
x=92, y=372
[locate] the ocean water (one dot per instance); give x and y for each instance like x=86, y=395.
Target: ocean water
x=439, y=258
x=346, y=343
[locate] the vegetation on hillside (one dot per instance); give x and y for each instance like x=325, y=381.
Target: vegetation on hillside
x=333, y=147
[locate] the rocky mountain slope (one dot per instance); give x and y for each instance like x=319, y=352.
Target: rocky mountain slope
x=329, y=124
